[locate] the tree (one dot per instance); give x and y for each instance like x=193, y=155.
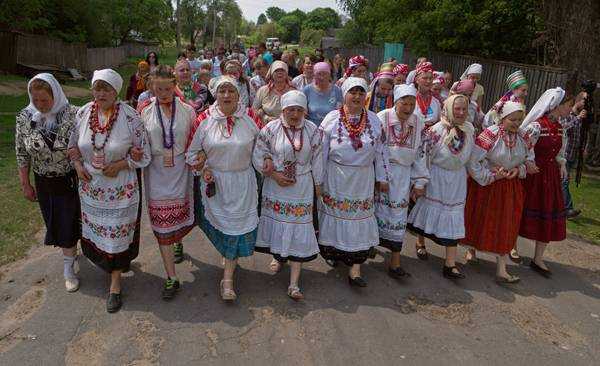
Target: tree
x=322, y=18
x=262, y=19
x=274, y=13
x=293, y=26
x=192, y=16
x=311, y=37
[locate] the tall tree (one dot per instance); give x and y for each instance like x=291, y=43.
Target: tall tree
x=262, y=19
x=274, y=13
x=322, y=18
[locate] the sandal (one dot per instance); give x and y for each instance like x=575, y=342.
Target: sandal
x=294, y=293
x=275, y=266
x=507, y=280
x=422, y=252
x=471, y=257
x=227, y=294
x=453, y=273
x=515, y=257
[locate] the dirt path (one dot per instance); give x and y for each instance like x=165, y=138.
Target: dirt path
x=425, y=320
x=20, y=88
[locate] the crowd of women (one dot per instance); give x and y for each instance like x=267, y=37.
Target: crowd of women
x=331, y=163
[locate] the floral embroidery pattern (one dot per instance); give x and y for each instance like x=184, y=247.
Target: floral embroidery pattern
x=386, y=225
x=287, y=208
x=384, y=199
x=107, y=231
x=111, y=193
x=347, y=205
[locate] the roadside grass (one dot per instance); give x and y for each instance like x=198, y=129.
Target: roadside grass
x=586, y=197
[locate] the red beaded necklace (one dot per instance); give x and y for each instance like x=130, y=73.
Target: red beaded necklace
x=354, y=130
x=97, y=128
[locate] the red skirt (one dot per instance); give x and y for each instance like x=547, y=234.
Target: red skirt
x=544, y=212
x=493, y=215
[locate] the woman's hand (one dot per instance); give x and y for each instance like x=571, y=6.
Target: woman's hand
x=82, y=172
x=136, y=153
x=112, y=169
x=514, y=172
x=318, y=191
x=200, y=161
x=281, y=179
x=268, y=167
x=531, y=167
x=208, y=176
x=415, y=193
x=382, y=186
x=564, y=173
x=29, y=192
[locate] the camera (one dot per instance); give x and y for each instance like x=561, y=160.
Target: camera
x=589, y=86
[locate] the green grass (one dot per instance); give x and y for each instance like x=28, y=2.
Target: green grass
x=586, y=197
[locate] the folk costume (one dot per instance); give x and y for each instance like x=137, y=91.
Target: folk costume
x=428, y=107
x=513, y=81
x=376, y=100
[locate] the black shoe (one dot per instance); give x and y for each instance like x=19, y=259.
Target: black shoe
x=544, y=272
x=177, y=252
x=170, y=289
x=573, y=213
x=422, y=253
x=113, y=303
x=357, y=281
x=331, y=262
x=453, y=273
x=398, y=273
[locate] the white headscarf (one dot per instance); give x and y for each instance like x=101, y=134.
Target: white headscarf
x=472, y=69
x=60, y=101
x=276, y=65
x=510, y=107
x=110, y=76
x=351, y=82
x=216, y=83
x=547, y=102
x=403, y=90
x=293, y=98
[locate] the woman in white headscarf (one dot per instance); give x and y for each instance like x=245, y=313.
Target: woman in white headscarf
x=43, y=130
x=544, y=210
x=109, y=185
x=408, y=170
x=474, y=72
x=227, y=212
x=355, y=159
x=267, y=103
x=495, y=195
x=288, y=154
x=439, y=214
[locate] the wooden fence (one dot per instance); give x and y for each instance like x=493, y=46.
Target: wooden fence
x=101, y=58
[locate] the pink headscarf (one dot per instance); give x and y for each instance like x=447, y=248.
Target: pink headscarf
x=401, y=69
x=321, y=66
x=463, y=86
x=424, y=67
x=355, y=62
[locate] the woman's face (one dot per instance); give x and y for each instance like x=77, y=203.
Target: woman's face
x=279, y=75
x=405, y=106
x=234, y=71
x=460, y=110
x=564, y=109
x=307, y=68
x=436, y=88
x=104, y=94
x=261, y=70
x=152, y=58
x=337, y=59
x=448, y=79
x=227, y=96
x=384, y=88
x=400, y=79
x=512, y=121
x=293, y=114
x=425, y=81
x=474, y=77
x=521, y=92
x=360, y=72
x=183, y=73
x=322, y=77
x=355, y=98
x=42, y=100
x=164, y=89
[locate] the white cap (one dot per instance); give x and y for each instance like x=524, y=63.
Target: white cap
x=110, y=76
x=510, y=107
x=472, y=69
x=404, y=90
x=352, y=82
x=293, y=98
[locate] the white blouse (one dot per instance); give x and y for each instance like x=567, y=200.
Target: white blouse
x=441, y=154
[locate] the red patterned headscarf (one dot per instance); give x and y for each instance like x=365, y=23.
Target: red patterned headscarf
x=423, y=68
x=355, y=62
x=401, y=69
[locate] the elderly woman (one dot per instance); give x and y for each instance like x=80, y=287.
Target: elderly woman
x=137, y=83
x=355, y=158
x=322, y=95
x=228, y=210
x=439, y=214
x=233, y=69
x=42, y=135
x=495, y=195
x=288, y=153
x=408, y=171
x=168, y=179
x=543, y=217
x=192, y=92
x=267, y=103
x=475, y=117
x=400, y=74
x=358, y=66
x=109, y=188
x=474, y=72
x=306, y=78
x=517, y=92
x=381, y=95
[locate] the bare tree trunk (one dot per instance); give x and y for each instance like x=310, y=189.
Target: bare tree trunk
x=178, y=34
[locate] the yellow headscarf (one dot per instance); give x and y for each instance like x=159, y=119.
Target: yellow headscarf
x=447, y=119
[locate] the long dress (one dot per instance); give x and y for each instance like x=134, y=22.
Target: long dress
x=286, y=227
x=229, y=218
x=168, y=179
x=408, y=168
x=111, y=206
x=439, y=215
x=347, y=224
x=494, y=207
x=544, y=211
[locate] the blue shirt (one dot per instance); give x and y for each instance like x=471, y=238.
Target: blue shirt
x=319, y=104
x=267, y=57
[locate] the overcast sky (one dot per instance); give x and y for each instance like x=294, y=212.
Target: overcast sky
x=251, y=9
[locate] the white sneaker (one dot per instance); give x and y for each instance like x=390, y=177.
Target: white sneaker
x=72, y=284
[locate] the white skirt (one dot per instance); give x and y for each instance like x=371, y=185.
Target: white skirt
x=346, y=214
x=441, y=212
x=391, y=209
x=286, y=225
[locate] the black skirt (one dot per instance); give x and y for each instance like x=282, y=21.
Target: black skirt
x=439, y=241
x=394, y=246
x=348, y=258
x=59, y=202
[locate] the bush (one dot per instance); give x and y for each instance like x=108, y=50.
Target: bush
x=311, y=37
